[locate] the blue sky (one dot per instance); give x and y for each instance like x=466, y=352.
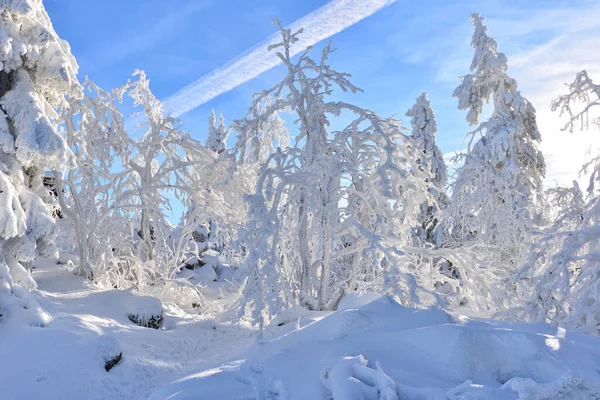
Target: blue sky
x=395, y=54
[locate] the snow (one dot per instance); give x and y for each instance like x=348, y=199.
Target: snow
x=372, y=348
x=205, y=273
x=356, y=299
x=325, y=243
x=424, y=354
x=143, y=308
x=212, y=258
x=351, y=378
x=66, y=359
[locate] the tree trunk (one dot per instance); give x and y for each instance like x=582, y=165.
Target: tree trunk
x=305, y=298
x=145, y=220
x=325, y=257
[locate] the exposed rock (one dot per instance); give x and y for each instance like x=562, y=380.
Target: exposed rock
x=112, y=362
x=151, y=322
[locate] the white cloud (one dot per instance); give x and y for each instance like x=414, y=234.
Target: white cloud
x=328, y=20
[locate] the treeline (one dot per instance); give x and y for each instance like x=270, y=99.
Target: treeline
x=305, y=213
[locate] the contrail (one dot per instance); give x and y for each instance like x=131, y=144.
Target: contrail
x=320, y=24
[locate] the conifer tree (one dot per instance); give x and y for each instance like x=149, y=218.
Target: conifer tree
x=424, y=129
x=495, y=191
x=37, y=71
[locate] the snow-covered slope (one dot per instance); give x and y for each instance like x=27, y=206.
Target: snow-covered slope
x=421, y=354
x=378, y=350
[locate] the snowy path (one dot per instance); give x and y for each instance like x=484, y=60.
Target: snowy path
x=63, y=360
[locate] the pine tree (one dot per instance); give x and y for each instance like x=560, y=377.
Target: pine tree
x=37, y=70
x=424, y=129
x=495, y=191
x=217, y=134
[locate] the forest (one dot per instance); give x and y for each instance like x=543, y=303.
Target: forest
x=308, y=220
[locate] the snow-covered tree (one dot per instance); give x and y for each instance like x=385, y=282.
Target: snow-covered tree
x=495, y=191
x=583, y=90
x=257, y=142
x=117, y=198
x=160, y=167
x=226, y=181
x=424, y=129
x=37, y=71
x=161, y=156
x=217, y=134
x=89, y=193
x=332, y=212
x=561, y=276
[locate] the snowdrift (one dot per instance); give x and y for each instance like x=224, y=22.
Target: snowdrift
x=382, y=350
x=90, y=327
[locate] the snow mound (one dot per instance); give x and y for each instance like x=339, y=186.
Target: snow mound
x=292, y=315
x=55, y=362
x=426, y=354
x=212, y=258
x=205, y=273
x=106, y=349
x=571, y=385
x=356, y=299
x=351, y=379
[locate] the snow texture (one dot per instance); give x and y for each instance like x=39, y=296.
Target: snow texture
x=385, y=351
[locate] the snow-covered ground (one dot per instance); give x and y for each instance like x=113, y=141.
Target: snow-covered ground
x=378, y=350
x=65, y=359
x=385, y=351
